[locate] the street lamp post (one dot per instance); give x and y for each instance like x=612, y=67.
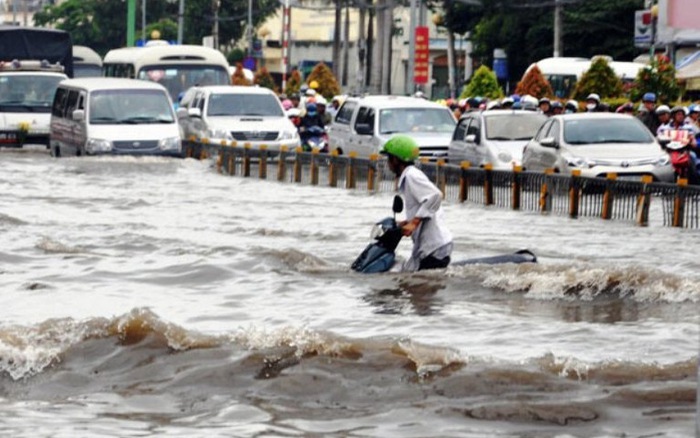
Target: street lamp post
x=250, y=28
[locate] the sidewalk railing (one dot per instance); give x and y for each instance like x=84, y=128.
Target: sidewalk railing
x=640, y=202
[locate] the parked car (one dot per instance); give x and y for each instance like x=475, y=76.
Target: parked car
x=496, y=137
x=597, y=144
x=364, y=124
x=236, y=113
x=94, y=116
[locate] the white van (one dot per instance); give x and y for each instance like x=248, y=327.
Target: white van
x=92, y=116
x=364, y=124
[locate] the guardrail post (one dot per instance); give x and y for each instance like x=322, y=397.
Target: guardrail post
x=644, y=201
x=189, y=149
x=488, y=184
x=246, y=160
x=262, y=164
x=297, y=165
x=350, y=171
x=332, y=170
x=608, y=196
x=574, y=193
x=314, y=166
x=282, y=164
x=440, y=179
x=545, y=201
x=463, y=180
x=372, y=171
x=679, y=203
x=516, y=188
x=232, y=159
x=220, y=158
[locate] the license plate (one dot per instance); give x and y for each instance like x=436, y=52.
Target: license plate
x=8, y=137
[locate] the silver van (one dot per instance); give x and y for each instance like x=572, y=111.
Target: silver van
x=363, y=125
x=94, y=116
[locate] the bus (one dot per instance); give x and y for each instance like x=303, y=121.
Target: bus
x=86, y=62
x=563, y=73
x=176, y=67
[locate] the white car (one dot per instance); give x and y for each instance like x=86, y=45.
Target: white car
x=363, y=125
x=242, y=114
x=496, y=137
x=597, y=144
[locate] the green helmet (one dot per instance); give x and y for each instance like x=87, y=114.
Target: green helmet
x=402, y=147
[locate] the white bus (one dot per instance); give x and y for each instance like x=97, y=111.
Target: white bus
x=86, y=62
x=563, y=73
x=176, y=67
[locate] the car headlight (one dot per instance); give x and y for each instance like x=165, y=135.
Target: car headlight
x=169, y=143
x=288, y=135
x=580, y=162
x=220, y=133
x=506, y=157
x=94, y=145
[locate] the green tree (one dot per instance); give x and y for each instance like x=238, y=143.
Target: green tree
x=236, y=55
x=484, y=84
x=658, y=77
x=327, y=83
x=600, y=79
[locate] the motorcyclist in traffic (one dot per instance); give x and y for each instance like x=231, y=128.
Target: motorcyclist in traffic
x=647, y=113
x=678, y=123
x=310, y=124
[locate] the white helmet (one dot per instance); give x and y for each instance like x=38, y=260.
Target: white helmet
x=663, y=109
x=320, y=100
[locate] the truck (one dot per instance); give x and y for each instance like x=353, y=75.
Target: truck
x=32, y=63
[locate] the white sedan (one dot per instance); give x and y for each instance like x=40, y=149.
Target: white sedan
x=597, y=144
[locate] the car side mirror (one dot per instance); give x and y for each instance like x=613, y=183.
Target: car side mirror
x=194, y=112
x=363, y=128
x=472, y=138
x=549, y=142
x=78, y=115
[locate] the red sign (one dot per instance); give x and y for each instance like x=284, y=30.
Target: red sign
x=421, y=71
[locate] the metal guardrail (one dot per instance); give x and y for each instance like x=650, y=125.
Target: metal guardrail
x=676, y=205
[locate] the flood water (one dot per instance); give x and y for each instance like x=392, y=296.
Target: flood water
x=156, y=297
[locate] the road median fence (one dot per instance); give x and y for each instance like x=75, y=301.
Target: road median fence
x=640, y=202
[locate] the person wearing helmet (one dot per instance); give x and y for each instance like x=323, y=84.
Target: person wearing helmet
x=593, y=103
x=663, y=114
x=557, y=108
x=677, y=123
x=432, y=241
x=648, y=115
x=313, y=85
x=545, y=106
x=321, y=106
x=571, y=107
x=310, y=119
x=694, y=118
x=287, y=104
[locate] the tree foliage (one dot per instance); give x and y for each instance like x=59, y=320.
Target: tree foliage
x=238, y=76
x=101, y=24
x=264, y=79
x=327, y=83
x=484, y=83
x=293, y=83
x=601, y=79
x=658, y=77
x=534, y=84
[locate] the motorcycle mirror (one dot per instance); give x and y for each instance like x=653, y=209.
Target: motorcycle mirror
x=398, y=204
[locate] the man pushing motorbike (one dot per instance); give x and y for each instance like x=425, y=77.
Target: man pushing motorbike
x=432, y=241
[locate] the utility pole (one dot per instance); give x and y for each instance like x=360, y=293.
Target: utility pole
x=336, y=38
x=143, y=21
x=346, y=44
x=410, y=85
x=180, y=21
x=130, y=22
x=250, y=28
x=558, y=51
x=215, y=29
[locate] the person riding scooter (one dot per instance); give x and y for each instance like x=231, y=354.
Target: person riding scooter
x=311, y=125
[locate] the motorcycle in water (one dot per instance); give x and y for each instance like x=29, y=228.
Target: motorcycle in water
x=677, y=143
x=380, y=255
x=316, y=138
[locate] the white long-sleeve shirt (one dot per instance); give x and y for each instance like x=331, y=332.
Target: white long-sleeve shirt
x=422, y=199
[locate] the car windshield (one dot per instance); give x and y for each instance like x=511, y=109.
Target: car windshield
x=129, y=107
x=178, y=78
x=396, y=120
x=605, y=130
x=252, y=104
x=28, y=93
x=510, y=127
